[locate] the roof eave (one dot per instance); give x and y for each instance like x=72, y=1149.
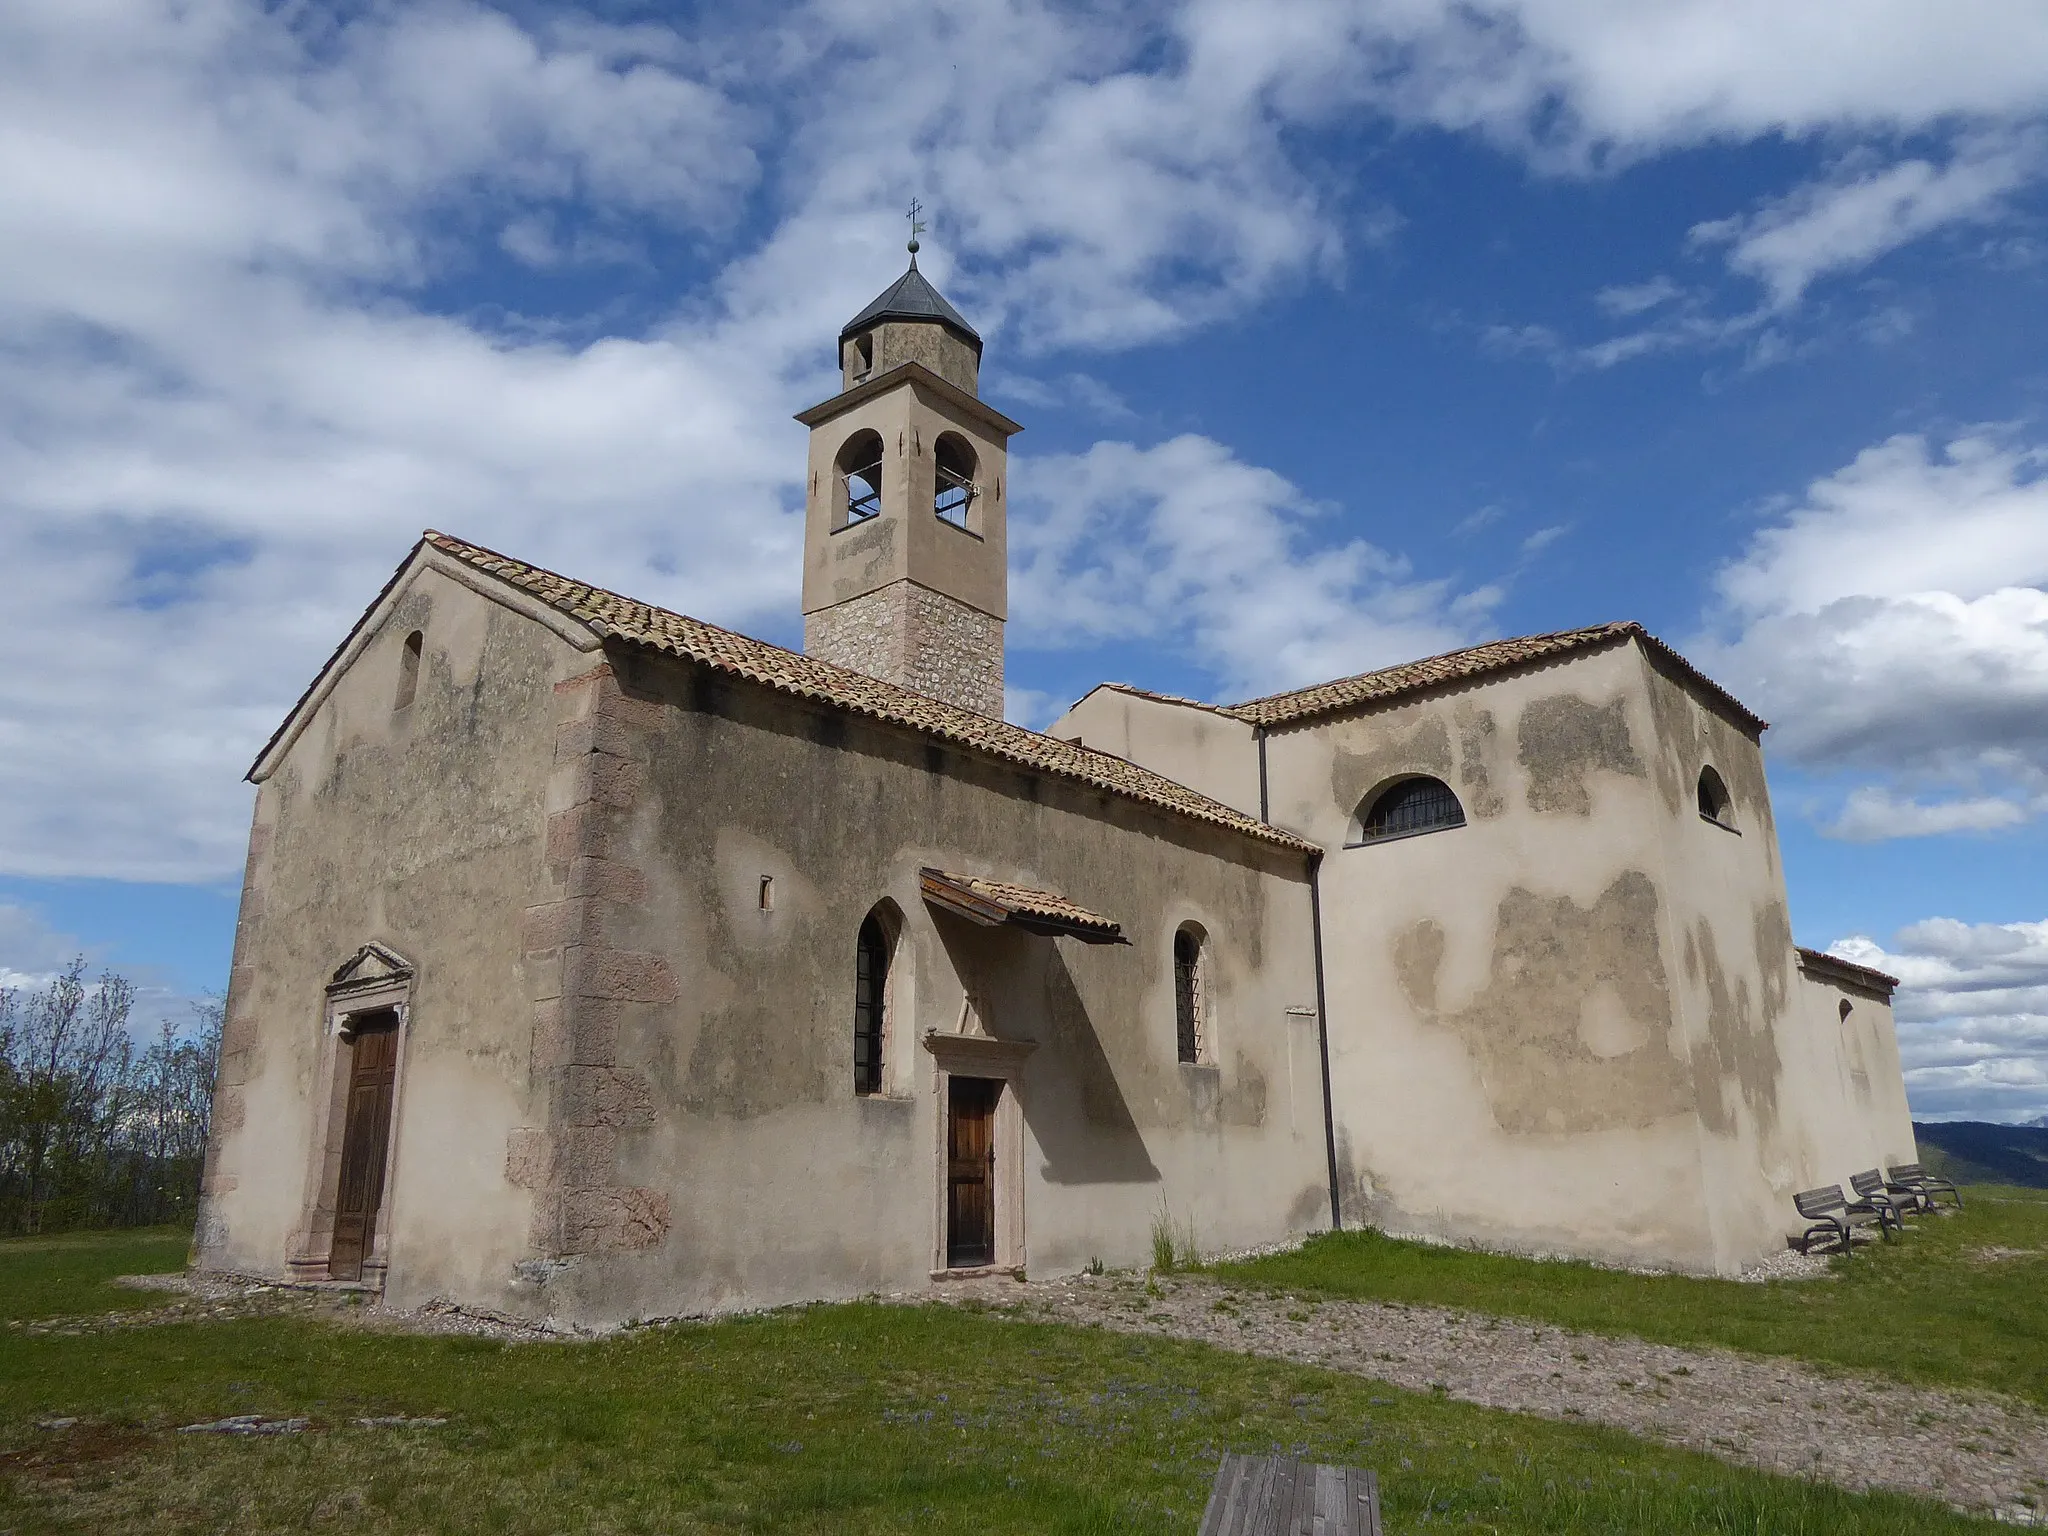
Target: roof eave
x=422, y=556
x=972, y=406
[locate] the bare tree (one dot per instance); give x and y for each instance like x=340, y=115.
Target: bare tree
x=92, y=1131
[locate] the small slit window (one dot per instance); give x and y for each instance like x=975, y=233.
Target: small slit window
x=1715, y=805
x=860, y=478
x=408, y=671
x=1408, y=807
x=870, y=1002
x=1190, y=1026
x=952, y=479
x=863, y=355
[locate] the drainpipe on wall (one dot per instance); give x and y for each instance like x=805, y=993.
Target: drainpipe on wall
x=1315, y=911
x=1315, y=915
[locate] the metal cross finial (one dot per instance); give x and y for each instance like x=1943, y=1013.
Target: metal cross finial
x=916, y=228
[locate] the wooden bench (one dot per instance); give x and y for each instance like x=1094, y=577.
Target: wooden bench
x=1278, y=1496
x=1829, y=1210
x=1926, y=1185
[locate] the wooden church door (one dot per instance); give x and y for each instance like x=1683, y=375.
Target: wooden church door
x=367, y=1132
x=971, y=1171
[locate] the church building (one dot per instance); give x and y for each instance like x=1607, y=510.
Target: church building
x=595, y=962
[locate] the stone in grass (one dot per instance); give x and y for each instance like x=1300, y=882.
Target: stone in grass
x=55, y=1423
x=246, y=1424
x=399, y=1421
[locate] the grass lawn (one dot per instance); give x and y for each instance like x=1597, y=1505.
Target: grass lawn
x=854, y=1418
x=68, y=1273
x=1932, y=1307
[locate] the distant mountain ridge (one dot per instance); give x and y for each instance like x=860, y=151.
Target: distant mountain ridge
x=1975, y=1152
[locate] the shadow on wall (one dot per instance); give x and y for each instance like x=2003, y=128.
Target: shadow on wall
x=1086, y=1128
x=1069, y=1096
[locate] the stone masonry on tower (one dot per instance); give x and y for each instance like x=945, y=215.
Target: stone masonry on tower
x=595, y=962
x=906, y=565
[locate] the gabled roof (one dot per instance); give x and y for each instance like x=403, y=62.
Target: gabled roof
x=1475, y=661
x=1163, y=698
x=604, y=615
x=995, y=903
x=911, y=297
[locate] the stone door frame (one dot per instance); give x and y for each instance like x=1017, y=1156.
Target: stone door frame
x=1002, y=1061
x=376, y=979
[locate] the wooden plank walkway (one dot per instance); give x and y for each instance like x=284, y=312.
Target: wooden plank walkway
x=1279, y=1496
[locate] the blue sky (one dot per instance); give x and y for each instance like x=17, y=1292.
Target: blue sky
x=1342, y=333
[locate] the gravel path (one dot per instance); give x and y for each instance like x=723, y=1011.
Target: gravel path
x=1976, y=1452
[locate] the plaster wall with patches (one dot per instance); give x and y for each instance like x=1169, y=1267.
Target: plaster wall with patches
x=422, y=829
x=1507, y=1063
x=1574, y=1024
x=780, y=1181
x=626, y=1088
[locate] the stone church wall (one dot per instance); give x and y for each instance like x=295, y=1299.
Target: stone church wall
x=1561, y=1026
x=917, y=638
x=421, y=829
x=756, y=1173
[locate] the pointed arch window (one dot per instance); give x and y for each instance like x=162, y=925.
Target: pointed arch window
x=952, y=478
x=873, y=951
x=1406, y=808
x=859, y=467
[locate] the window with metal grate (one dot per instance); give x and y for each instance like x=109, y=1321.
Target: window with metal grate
x=1408, y=807
x=1187, y=993
x=870, y=1003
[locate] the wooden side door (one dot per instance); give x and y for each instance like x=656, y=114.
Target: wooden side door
x=373, y=1062
x=971, y=1171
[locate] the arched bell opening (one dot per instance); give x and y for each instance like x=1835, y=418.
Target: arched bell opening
x=859, y=474
x=953, y=489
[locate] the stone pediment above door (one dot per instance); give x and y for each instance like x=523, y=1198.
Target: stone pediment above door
x=372, y=968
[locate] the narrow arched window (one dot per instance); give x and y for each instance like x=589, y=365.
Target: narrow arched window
x=1189, y=1025
x=860, y=478
x=870, y=1003
x=863, y=356
x=1406, y=807
x=1714, y=802
x=408, y=671
x=952, y=478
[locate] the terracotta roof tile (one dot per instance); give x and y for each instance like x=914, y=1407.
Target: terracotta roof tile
x=1454, y=666
x=610, y=615
x=1820, y=960
x=1164, y=698
x=984, y=899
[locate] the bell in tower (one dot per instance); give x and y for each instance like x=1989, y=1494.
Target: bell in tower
x=906, y=573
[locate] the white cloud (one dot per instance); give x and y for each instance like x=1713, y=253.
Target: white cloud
x=228, y=400
x=1872, y=815
x=1893, y=622
x=31, y=951
x=1865, y=211
x=1635, y=298
x=1573, y=80
x=1184, y=544
x=1972, y=1015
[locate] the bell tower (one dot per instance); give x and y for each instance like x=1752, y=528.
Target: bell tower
x=906, y=573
